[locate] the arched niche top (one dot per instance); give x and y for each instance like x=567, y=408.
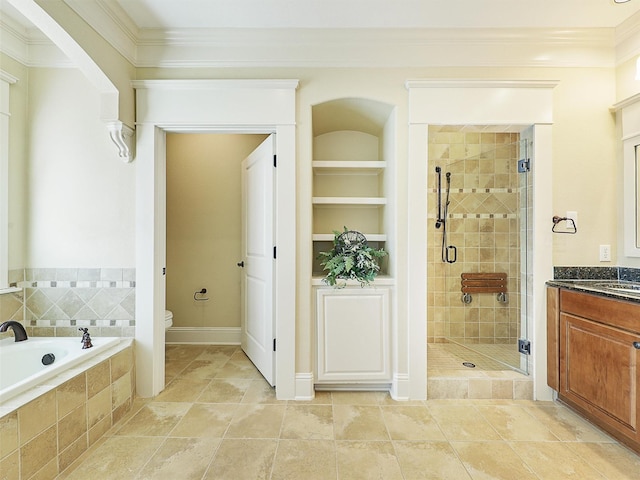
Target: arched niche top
x=356, y=114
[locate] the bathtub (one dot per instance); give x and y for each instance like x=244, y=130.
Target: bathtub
x=21, y=363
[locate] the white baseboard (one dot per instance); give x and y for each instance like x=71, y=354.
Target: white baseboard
x=400, y=387
x=204, y=335
x=304, y=386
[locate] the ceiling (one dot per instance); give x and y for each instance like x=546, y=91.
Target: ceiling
x=171, y=14
x=350, y=14
x=350, y=32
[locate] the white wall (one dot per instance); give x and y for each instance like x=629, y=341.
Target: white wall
x=81, y=197
x=18, y=129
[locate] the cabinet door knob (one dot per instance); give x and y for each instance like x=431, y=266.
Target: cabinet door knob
x=636, y=345
x=241, y=265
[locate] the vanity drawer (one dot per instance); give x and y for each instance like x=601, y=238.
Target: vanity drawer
x=616, y=313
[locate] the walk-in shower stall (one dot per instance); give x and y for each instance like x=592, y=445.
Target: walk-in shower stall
x=478, y=241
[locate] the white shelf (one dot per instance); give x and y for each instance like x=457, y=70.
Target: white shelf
x=338, y=167
x=366, y=201
x=328, y=237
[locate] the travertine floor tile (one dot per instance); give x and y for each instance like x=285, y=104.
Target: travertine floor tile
x=462, y=422
x=611, y=459
x=154, y=419
x=205, y=420
x=567, y=425
x=230, y=390
x=305, y=459
x=493, y=461
x=183, y=390
x=180, y=458
x=239, y=459
x=515, y=423
x=359, y=422
x=117, y=458
x=429, y=461
x=308, y=422
x=411, y=423
x=260, y=391
x=553, y=460
x=367, y=461
x=200, y=369
x=256, y=421
x=233, y=427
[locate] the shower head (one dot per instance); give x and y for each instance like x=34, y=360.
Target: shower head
x=438, y=169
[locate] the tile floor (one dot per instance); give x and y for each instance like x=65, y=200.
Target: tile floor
x=218, y=419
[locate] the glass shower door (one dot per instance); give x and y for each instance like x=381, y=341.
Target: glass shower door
x=483, y=236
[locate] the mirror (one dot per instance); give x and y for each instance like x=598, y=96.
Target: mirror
x=631, y=169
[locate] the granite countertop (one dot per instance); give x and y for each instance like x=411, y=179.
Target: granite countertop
x=621, y=283
x=620, y=290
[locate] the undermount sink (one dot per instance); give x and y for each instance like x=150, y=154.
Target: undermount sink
x=621, y=287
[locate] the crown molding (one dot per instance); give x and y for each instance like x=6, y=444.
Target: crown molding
x=481, y=83
x=317, y=48
x=112, y=23
x=627, y=39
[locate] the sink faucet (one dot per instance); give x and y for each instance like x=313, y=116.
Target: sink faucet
x=18, y=330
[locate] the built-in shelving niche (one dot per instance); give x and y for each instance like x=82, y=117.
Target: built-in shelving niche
x=353, y=160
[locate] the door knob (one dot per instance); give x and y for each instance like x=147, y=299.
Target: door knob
x=240, y=264
x=636, y=345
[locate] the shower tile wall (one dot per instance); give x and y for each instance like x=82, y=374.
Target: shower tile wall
x=58, y=301
x=483, y=225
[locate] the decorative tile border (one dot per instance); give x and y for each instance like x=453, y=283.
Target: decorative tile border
x=57, y=301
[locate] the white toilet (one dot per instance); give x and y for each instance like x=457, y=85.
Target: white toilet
x=168, y=319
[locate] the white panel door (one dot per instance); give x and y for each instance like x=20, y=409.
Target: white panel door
x=257, y=319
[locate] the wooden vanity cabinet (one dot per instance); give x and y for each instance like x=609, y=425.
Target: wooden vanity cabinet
x=595, y=338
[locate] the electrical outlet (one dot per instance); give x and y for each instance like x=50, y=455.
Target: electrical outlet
x=574, y=216
x=605, y=253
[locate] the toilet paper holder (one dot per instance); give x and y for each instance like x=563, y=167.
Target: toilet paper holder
x=197, y=296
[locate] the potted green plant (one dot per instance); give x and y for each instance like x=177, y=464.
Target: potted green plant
x=350, y=258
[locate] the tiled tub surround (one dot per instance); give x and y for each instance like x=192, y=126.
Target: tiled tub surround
x=483, y=224
x=12, y=304
x=47, y=428
x=60, y=300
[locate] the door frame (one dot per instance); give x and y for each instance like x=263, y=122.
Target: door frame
x=209, y=106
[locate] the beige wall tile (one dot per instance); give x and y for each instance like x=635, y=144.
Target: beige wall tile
x=37, y=416
x=8, y=434
x=71, y=394
x=71, y=427
x=99, y=407
x=10, y=466
x=121, y=390
x=38, y=452
x=121, y=364
x=99, y=429
x=98, y=378
x=49, y=471
x=72, y=452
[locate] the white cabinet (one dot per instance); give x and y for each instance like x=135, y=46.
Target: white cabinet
x=353, y=335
